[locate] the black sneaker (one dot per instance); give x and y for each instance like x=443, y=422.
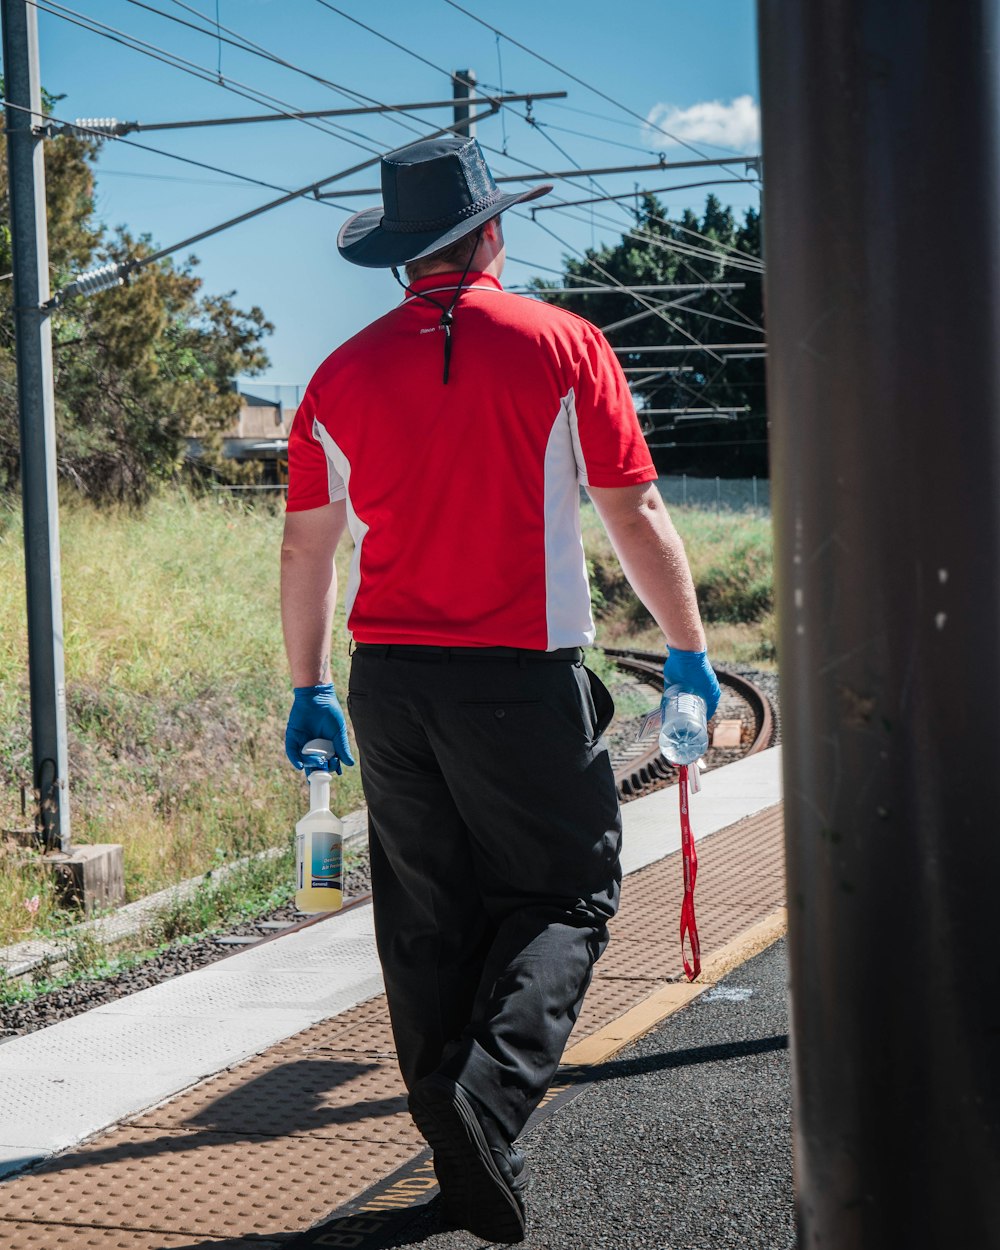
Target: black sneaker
x=482, y=1177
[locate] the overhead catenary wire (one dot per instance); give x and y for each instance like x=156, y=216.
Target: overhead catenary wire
x=630, y=195
x=567, y=175
x=542, y=127
x=175, y=61
x=620, y=121
x=132, y=266
x=575, y=78
x=630, y=287
x=740, y=261
x=173, y=156
x=116, y=129
x=681, y=250
x=674, y=325
x=724, y=247
x=685, y=347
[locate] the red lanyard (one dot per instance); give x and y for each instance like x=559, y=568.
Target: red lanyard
x=689, y=925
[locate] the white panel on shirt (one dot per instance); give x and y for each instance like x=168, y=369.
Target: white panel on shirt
x=567, y=591
x=340, y=488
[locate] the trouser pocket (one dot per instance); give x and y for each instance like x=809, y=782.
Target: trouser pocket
x=604, y=704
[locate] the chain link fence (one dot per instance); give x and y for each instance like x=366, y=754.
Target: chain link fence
x=746, y=494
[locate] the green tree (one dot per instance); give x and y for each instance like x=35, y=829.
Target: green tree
x=137, y=369
x=658, y=251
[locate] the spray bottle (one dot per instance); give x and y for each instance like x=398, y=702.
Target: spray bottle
x=319, y=839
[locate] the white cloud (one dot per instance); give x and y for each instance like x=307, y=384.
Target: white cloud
x=735, y=126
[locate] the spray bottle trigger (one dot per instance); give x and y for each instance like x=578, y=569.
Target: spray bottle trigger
x=320, y=750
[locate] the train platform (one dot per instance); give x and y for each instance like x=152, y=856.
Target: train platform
x=256, y=1102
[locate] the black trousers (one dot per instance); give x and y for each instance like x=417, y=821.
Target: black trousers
x=495, y=836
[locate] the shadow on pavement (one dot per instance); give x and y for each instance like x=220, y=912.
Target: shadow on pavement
x=673, y=1059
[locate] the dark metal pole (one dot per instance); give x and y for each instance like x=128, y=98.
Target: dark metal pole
x=29, y=240
x=882, y=204
x=463, y=86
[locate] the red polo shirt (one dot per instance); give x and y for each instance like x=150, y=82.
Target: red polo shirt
x=463, y=500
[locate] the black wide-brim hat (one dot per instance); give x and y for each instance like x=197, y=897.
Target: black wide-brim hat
x=433, y=192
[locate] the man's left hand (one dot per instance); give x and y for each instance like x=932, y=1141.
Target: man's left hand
x=692, y=672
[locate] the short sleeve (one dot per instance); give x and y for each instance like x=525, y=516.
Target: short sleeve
x=608, y=442
x=312, y=479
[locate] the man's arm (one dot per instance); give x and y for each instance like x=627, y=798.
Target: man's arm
x=653, y=559
x=308, y=599
x=309, y=589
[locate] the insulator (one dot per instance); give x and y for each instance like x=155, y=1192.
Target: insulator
x=101, y=279
x=110, y=126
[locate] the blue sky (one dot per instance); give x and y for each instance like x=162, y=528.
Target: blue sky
x=689, y=67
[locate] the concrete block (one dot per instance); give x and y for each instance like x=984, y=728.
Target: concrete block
x=727, y=733
x=89, y=877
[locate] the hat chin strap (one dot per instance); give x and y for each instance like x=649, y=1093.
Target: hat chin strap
x=447, y=313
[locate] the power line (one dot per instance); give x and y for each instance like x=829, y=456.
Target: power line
x=568, y=174
x=615, y=143
x=722, y=442
x=145, y=147
x=629, y=195
x=673, y=324
x=386, y=39
x=112, y=275
x=683, y=347
x=690, y=267
x=722, y=256
x=248, y=45
x=604, y=289
x=174, y=61
x=620, y=121
x=583, y=83
x=116, y=129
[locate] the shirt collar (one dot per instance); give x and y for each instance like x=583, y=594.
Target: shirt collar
x=452, y=279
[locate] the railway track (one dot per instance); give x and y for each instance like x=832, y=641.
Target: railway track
x=641, y=768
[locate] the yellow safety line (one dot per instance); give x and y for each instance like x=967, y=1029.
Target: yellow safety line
x=663, y=1002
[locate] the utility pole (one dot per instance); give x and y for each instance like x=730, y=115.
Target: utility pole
x=36, y=406
x=463, y=84
x=881, y=125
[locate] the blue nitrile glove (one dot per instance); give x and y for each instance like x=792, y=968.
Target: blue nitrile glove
x=316, y=714
x=692, y=672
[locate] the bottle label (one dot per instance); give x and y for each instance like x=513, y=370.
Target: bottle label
x=327, y=861
x=300, y=861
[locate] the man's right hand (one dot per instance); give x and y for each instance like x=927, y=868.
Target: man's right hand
x=316, y=713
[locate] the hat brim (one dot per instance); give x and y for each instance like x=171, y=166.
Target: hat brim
x=363, y=241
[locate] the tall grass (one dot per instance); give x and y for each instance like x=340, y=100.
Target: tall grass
x=731, y=562
x=177, y=692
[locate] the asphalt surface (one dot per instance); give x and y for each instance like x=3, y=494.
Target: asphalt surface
x=681, y=1142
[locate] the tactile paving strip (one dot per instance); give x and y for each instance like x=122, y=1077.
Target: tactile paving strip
x=20, y=1236
x=274, y=1145
x=364, y=1028
x=202, y=1183
x=324, y=1095
x=607, y=999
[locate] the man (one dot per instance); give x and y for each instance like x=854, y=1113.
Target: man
x=452, y=436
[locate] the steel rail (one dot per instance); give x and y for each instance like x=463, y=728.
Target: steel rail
x=650, y=770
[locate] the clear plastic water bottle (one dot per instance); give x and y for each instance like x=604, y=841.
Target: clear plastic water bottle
x=683, y=726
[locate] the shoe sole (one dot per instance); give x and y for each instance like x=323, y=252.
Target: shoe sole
x=474, y=1193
